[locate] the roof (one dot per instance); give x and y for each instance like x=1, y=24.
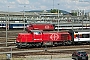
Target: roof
x=35, y=30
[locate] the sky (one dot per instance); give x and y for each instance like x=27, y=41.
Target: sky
x=28, y=5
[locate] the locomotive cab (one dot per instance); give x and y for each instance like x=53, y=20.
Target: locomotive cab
x=34, y=38
x=35, y=31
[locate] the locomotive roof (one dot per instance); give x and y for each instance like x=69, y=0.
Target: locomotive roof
x=82, y=32
x=35, y=30
x=23, y=33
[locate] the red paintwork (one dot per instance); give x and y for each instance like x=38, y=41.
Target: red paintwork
x=56, y=36
x=43, y=37
x=39, y=26
x=28, y=37
x=25, y=37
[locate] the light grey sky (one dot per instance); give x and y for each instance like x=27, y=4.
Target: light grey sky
x=27, y=5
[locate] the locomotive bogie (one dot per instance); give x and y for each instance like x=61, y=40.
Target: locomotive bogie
x=32, y=44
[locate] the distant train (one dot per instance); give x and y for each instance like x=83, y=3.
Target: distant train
x=48, y=26
x=40, y=26
x=72, y=26
x=13, y=25
x=40, y=38
x=43, y=26
x=82, y=37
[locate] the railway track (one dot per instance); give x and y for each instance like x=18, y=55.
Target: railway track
x=11, y=36
x=33, y=51
x=14, y=48
x=4, y=29
x=50, y=50
x=40, y=51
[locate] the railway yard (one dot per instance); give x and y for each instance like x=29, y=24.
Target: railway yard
x=34, y=53
x=44, y=34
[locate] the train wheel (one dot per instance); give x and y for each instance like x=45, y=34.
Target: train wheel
x=19, y=46
x=55, y=44
x=64, y=43
x=37, y=45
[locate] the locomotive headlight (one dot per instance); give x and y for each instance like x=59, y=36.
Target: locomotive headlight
x=27, y=25
x=17, y=40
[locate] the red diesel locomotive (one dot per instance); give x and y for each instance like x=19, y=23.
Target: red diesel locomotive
x=40, y=26
x=39, y=38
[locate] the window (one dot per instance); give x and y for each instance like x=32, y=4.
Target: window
x=79, y=35
x=85, y=35
x=37, y=32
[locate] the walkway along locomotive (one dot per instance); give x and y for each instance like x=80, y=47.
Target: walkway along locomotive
x=40, y=26
x=41, y=38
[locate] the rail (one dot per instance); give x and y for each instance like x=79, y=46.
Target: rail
x=42, y=50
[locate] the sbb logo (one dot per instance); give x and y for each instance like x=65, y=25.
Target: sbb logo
x=46, y=27
x=54, y=36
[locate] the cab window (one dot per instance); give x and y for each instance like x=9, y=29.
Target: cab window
x=37, y=32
